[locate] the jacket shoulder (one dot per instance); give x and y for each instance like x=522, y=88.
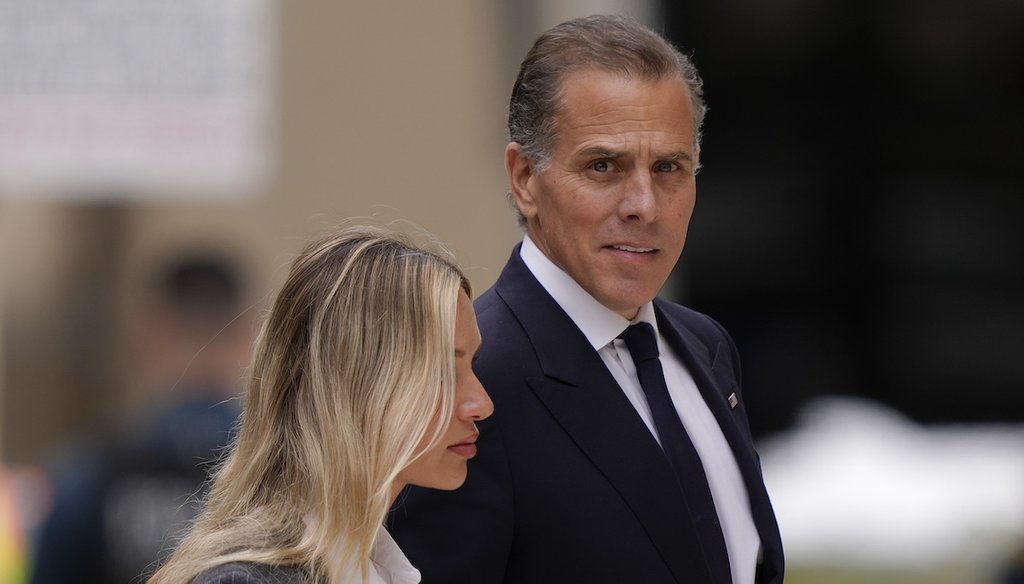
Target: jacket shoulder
x=496, y=320
x=698, y=323
x=251, y=573
x=487, y=302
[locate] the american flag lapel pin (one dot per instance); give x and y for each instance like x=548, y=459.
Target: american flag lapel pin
x=733, y=400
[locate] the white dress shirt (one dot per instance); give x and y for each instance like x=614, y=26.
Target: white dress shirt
x=602, y=326
x=388, y=564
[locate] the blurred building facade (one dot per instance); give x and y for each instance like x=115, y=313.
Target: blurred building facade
x=405, y=125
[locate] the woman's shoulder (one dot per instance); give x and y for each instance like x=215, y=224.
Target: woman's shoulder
x=251, y=573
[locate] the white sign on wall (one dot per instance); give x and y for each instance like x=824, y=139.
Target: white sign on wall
x=135, y=98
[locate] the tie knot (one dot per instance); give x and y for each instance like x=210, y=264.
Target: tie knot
x=641, y=341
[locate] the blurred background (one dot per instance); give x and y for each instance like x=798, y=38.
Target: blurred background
x=858, y=231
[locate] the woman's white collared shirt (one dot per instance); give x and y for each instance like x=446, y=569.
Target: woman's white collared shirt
x=388, y=565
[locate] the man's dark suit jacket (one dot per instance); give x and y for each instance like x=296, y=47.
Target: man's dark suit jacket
x=568, y=484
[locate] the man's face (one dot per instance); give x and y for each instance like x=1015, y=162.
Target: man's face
x=614, y=204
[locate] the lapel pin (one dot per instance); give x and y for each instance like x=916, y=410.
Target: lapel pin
x=733, y=401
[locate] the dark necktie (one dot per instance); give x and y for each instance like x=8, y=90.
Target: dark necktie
x=682, y=456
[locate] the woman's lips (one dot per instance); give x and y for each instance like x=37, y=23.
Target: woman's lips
x=466, y=448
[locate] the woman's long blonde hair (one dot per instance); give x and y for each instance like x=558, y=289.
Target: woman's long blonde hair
x=352, y=367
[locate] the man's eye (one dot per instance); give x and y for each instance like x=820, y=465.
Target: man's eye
x=601, y=166
x=666, y=167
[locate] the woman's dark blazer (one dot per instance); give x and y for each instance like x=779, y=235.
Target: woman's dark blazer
x=251, y=573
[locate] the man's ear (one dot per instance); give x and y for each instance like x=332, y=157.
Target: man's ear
x=520, y=170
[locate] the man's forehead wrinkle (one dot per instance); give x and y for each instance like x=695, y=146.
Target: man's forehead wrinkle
x=606, y=120
x=618, y=126
x=647, y=141
x=619, y=112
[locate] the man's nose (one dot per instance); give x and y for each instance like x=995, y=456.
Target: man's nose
x=639, y=201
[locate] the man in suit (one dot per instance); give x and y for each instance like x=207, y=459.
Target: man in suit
x=587, y=472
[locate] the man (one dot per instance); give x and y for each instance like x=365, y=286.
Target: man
x=584, y=473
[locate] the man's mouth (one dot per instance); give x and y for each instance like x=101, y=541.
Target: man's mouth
x=632, y=249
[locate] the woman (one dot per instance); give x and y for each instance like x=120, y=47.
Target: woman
x=361, y=383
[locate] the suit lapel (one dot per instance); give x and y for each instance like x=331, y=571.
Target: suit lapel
x=700, y=364
x=588, y=404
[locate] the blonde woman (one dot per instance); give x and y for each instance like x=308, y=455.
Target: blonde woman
x=361, y=384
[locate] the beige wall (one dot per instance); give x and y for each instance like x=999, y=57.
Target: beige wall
x=382, y=112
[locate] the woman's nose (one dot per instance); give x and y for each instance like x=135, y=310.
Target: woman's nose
x=477, y=404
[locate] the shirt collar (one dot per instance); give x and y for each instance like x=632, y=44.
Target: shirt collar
x=600, y=324
x=390, y=562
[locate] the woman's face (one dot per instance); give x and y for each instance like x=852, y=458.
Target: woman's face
x=444, y=466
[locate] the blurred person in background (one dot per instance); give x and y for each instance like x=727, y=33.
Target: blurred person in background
x=121, y=496
x=620, y=449
x=361, y=383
